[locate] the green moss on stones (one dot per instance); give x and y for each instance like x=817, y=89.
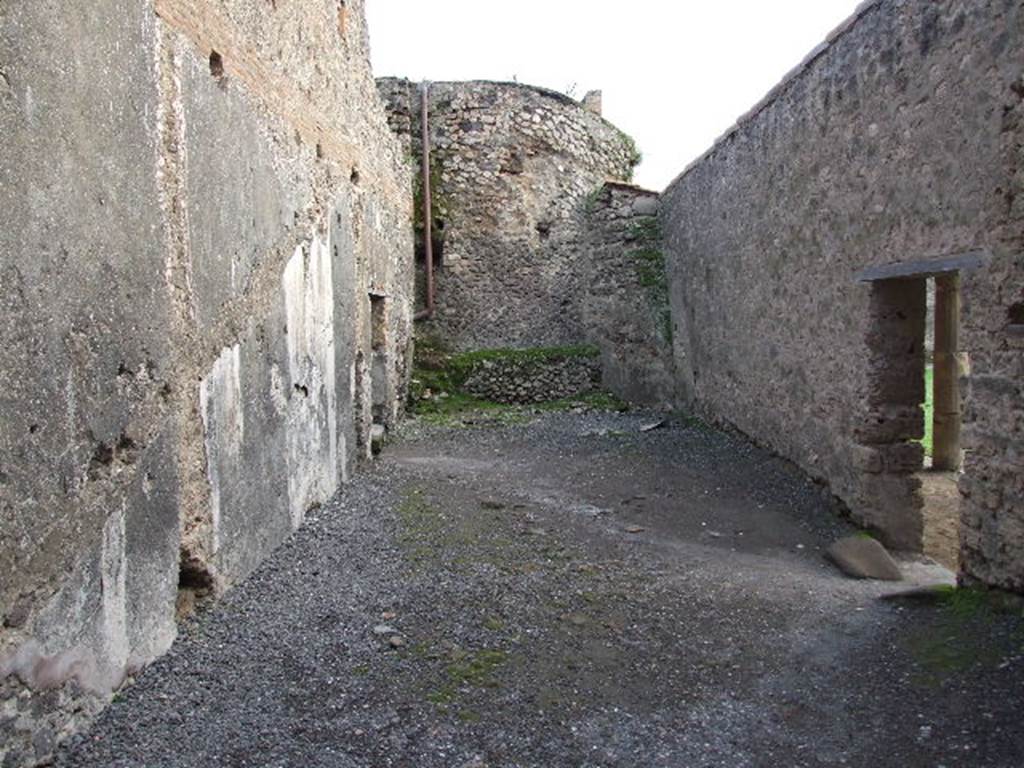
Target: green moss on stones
x=442, y=375
x=649, y=260
x=633, y=154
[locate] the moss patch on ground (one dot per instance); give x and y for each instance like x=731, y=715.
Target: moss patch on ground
x=468, y=669
x=958, y=638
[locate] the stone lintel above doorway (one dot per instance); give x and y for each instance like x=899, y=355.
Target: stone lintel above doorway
x=967, y=261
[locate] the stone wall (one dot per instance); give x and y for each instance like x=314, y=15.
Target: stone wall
x=625, y=300
x=199, y=198
x=512, y=168
x=534, y=377
x=900, y=139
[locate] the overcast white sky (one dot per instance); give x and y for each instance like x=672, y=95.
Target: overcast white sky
x=675, y=73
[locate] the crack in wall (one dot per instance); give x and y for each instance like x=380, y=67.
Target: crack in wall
x=197, y=546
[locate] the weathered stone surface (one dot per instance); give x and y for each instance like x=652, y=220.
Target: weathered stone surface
x=534, y=380
x=513, y=166
x=898, y=142
x=625, y=304
x=864, y=558
x=199, y=198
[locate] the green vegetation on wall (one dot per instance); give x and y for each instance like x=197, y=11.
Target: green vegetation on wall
x=649, y=261
x=442, y=371
x=634, y=155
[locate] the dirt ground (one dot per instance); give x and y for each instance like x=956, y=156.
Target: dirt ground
x=566, y=589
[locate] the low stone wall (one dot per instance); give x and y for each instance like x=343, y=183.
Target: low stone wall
x=625, y=301
x=531, y=378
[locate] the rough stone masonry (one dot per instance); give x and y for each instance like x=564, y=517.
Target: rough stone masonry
x=205, y=305
x=207, y=289
x=897, y=149
x=512, y=168
x=538, y=240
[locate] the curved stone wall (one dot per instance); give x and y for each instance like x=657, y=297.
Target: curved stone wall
x=513, y=168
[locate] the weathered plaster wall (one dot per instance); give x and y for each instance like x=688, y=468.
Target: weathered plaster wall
x=513, y=166
x=625, y=294
x=899, y=139
x=199, y=198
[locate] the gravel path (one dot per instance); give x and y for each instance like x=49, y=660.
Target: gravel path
x=574, y=592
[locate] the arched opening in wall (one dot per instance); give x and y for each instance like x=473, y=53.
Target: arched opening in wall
x=910, y=442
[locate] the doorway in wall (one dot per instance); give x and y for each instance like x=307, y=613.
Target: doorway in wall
x=911, y=454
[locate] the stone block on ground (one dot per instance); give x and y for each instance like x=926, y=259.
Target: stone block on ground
x=864, y=558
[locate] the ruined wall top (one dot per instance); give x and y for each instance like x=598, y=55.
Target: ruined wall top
x=512, y=167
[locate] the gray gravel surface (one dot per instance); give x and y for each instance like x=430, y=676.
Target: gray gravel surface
x=574, y=592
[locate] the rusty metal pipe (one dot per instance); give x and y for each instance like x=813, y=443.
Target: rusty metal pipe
x=428, y=223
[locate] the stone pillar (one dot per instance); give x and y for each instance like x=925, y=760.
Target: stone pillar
x=592, y=102
x=946, y=420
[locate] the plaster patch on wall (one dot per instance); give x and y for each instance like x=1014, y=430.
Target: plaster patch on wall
x=277, y=395
x=312, y=440
x=114, y=631
x=220, y=395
